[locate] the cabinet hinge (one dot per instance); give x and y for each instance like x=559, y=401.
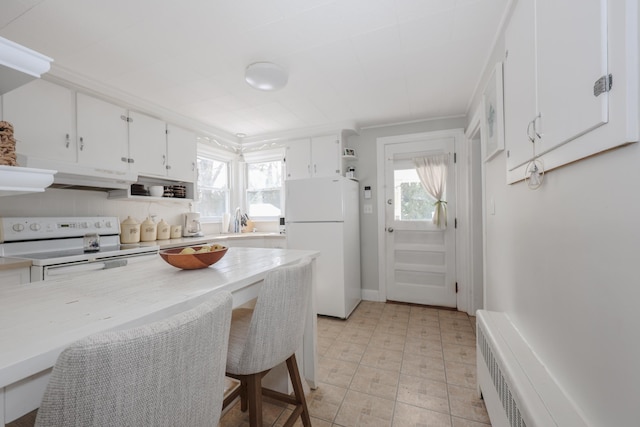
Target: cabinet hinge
x=126, y=119
x=455, y=157
x=456, y=287
x=602, y=85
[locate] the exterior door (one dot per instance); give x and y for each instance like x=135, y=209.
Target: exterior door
x=420, y=258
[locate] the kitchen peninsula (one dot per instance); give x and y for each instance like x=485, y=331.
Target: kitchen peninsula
x=38, y=320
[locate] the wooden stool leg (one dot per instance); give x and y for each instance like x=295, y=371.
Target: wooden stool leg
x=292, y=366
x=254, y=396
x=243, y=395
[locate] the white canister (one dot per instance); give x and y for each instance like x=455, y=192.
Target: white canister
x=148, y=231
x=164, y=230
x=129, y=231
x=176, y=231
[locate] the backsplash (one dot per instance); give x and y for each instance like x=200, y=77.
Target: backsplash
x=65, y=202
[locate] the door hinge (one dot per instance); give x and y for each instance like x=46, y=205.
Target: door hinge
x=602, y=85
x=455, y=157
x=455, y=223
x=456, y=287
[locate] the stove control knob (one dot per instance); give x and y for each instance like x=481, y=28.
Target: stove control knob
x=98, y=225
x=35, y=227
x=107, y=224
x=18, y=227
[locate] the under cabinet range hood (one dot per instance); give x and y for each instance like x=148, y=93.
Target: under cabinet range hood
x=16, y=180
x=82, y=177
x=19, y=65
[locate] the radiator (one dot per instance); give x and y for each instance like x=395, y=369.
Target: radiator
x=517, y=389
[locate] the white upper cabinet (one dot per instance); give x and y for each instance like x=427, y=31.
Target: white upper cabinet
x=102, y=134
x=570, y=73
x=314, y=157
x=298, y=159
x=161, y=150
x=42, y=115
x=147, y=144
x=326, y=156
x=519, y=76
x=181, y=154
x=569, y=64
x=63, y=129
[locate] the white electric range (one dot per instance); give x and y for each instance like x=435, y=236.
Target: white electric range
x=63, y=246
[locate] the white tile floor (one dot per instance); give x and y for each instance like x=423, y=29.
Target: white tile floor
x=391, y=365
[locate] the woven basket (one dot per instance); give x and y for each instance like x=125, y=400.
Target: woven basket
x=7, y=145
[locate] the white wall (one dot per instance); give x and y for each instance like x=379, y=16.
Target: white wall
x=562, y=261
x=366, y=171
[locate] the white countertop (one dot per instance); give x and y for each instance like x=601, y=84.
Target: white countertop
x=38, y=320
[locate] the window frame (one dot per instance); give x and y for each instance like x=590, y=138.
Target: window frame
x=204, y=150
x=263, y=156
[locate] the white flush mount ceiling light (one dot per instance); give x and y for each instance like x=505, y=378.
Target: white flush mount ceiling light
x=266, y=76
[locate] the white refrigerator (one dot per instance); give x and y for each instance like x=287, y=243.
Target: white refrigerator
x=322, y=214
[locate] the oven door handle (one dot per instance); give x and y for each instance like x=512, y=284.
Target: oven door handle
x=82, y=268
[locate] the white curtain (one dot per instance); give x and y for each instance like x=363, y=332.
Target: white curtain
x=432, y=171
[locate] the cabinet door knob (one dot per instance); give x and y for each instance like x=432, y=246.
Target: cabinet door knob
x=81, y=143
x=164, y=159
x=67, y=141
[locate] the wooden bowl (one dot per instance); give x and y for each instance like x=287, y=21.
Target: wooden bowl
x=192, y=261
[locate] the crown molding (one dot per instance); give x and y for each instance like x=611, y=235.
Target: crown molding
x=272, y=139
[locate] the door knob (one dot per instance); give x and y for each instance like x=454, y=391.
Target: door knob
x=390, y=229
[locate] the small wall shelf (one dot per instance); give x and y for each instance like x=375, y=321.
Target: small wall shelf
x=125, y=194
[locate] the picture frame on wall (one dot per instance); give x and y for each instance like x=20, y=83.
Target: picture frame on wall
x=493, y=114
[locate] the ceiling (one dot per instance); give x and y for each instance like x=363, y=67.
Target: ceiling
x=370, y=62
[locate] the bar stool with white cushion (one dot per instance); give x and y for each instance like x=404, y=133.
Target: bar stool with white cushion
x=268, y=335
x=166, y=373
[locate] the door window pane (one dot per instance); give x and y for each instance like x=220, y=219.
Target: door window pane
x=412, y=202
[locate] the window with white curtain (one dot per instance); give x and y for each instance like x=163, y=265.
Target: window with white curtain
x=264, y=184
x=413, y=203
x=213, y=184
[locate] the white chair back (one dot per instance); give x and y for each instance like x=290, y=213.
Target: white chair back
x=278, y=320
x=167, y=373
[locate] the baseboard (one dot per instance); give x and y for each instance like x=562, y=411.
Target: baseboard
x=371, y=295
